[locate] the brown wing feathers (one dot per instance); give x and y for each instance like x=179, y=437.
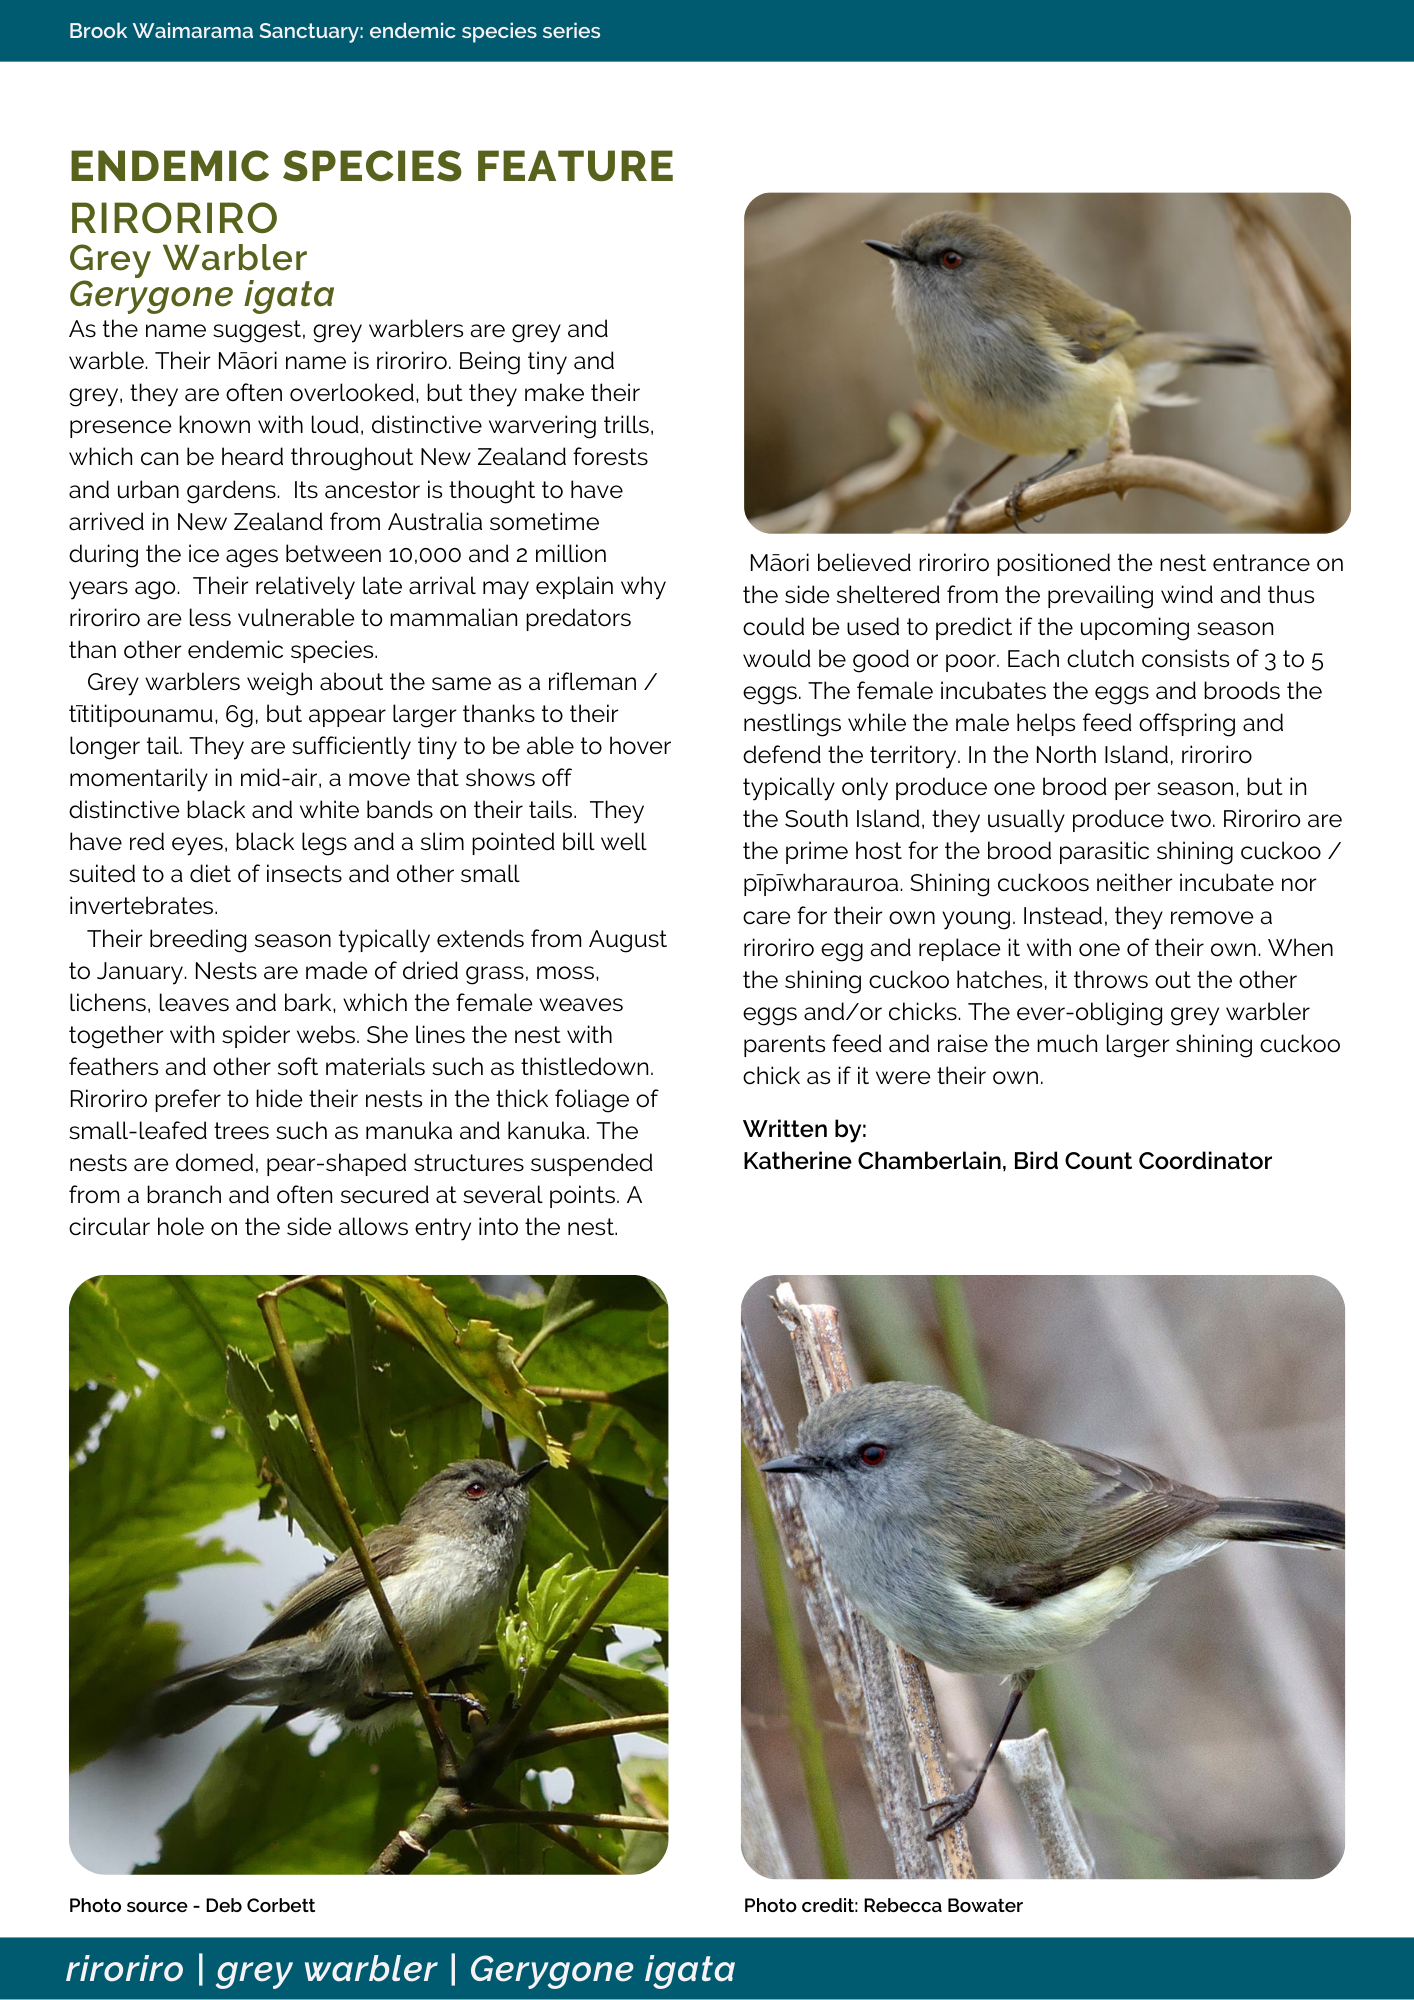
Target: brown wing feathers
x=1130, y=1508
x=312, y=1603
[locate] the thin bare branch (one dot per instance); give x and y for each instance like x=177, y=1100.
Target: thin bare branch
x=1245, y=506
x=1031, y=1765
x=902, y=1751
x=921, y=1713
x=765, y=1437
x=914, y=432
x=581, y=1732
x=479, y=1815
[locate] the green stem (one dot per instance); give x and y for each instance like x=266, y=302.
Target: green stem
x=790, y=1658
x=960, y=1345
x=556, y=1325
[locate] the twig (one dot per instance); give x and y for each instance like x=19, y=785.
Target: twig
x=761, y=1845
x=1306, y=339
x=1032, y=1767
x=581, y=1732
x=913, y=432
x=765, y=1438
x=450, y=1805
x=599, y=1862
x=442, y=1750
x=921, y=1714
x=1245, y=506
x=1312, y=279
x=485, y=1815
x=790, y=1660
x=824, y=1371
x=572, y=1395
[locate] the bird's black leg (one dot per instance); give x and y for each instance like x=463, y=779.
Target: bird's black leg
x=1035, y=480
x=470, y=1706
x=964, y=500
x=961, y=1803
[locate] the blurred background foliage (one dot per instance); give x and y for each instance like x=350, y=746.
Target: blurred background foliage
x=827, y=363
x=1185, y=1750
x=178, y=1417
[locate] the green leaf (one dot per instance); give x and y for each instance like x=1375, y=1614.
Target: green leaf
x=281, y=1454
x=477, y=1355
x=159, y=1475
x=265, y=1806
x=642, y=1599
x=116, y=1659
x=617, y=1690
x=97, y=1351
x=184, y=1326
x=86, y=1406
x=608, y=1350
x=115, y=1572
x=633, y=1294
x=518, y=1319
x=643, y=1851
x=431, y=1423
x=544, y=1616
x=547, y=1537
x=645, y=1783
x=619, y=1444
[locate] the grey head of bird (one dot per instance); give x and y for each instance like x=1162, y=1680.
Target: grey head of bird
x=475, y=1495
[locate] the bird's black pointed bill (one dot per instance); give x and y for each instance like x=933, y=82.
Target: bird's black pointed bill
x=524, y=1478
x=900, y=256
x=787, y=1465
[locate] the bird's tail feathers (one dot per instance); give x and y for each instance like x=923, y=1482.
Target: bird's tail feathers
x=1300, y=1521
x=1158, y=358
x=1190, y=350
x=1234, y=353
x=189, y=1698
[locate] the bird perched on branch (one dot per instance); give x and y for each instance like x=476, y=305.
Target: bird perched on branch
x=983, y=1551
x=1019, y=358
x=446, y=1568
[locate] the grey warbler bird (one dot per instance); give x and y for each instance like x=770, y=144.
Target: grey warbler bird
x=446, y=1567
x=1019, y=358
x=983, y=1551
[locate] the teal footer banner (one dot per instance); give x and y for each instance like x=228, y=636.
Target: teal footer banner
x=884, y=1968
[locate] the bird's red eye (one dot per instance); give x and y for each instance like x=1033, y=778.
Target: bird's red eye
x=873, y=1454
x=474, y=1491
x=950, y=259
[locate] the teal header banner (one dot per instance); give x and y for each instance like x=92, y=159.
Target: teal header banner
x=750, y=1969
x=731, y=31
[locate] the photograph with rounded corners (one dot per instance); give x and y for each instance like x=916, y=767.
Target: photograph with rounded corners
x=1043, y=1577
x=368, y=1575
x=1047, y=364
